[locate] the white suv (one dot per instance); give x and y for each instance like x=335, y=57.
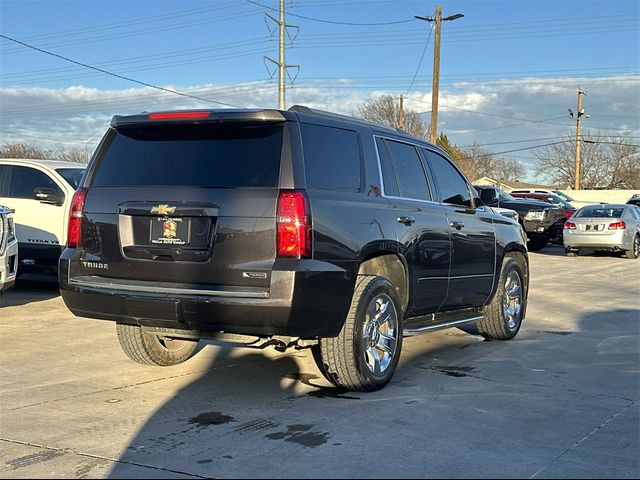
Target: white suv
x=40, y=192
x=8, y=250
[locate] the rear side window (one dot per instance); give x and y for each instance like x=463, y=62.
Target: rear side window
x=453, y=187
x=194, y=155
x=331, y=158
x=25, y=180
x=409, y=171
x=389, y=180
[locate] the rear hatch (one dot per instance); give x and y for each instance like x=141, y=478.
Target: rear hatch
x=188, y=204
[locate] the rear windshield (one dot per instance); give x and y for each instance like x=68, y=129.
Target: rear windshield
x=194, y=155
x=71, y=175
x=600, y=212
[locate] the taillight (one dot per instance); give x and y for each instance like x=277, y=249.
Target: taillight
x=293, y=225
x=74, y=231
x=178, y=115
x=617, y=226
x=569, y=213
x=570, y=225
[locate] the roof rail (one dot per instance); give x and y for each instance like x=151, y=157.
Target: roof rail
x=322, y=113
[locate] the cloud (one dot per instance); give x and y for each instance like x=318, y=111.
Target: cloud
x=486, y=112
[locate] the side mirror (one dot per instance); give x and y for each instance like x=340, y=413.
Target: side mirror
x=49, y=196
x=489, y=196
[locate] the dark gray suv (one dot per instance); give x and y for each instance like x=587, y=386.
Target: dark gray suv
x=301, y=227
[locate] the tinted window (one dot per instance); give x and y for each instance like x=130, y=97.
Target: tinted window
x=3, y=173
x=390, y=182
x=331, y=158
x=453, y=187
x=71, y=175
x=600, y=212
x=195, y=155
x=409, y=171
x=25, y=180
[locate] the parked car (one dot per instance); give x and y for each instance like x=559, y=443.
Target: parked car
x=634, y=200
x=40, y=192
x=605, y=227
x=558, y=202
x=559, y=193
x=507, y=212
x=8, y=250
x=536, y=218
x=300, y=227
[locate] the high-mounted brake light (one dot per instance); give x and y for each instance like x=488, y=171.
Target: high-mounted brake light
x=293, y=232
x=74, y=231
x=570, y=225
x=178, y=115
x=617, y=226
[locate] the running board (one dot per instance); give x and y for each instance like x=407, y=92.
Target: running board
x=408, y=332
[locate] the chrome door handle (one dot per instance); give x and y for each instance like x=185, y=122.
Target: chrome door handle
x=457, y=225
x=406, y=220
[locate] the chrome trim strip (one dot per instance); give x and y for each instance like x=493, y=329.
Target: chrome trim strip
x=459, y=276
x=430, y=328
x=170, y=290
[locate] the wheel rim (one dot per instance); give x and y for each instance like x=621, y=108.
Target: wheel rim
x=636, y=247
x=172, y=344
x=380, y=335
x=512, y=300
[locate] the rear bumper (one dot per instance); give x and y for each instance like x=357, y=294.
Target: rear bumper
x=613, y=241
x=39, y=258
x=306, y=298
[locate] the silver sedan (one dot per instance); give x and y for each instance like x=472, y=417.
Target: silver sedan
x=609, y=227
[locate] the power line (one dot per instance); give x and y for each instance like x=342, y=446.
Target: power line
x=116, y=75
x=420, y=62
x=331, y=21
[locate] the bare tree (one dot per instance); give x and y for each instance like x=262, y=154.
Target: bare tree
x=477, y=162
x=605, y=162
x=23, y=150
x=386, y=110
x=75, y=155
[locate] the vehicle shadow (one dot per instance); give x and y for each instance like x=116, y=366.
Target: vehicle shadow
x=31, y=288
x=254, y=413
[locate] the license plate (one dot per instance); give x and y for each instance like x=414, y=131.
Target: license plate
x=170, y=231
x=593, y=228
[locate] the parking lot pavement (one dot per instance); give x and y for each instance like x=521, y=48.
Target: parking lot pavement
x=561, y=400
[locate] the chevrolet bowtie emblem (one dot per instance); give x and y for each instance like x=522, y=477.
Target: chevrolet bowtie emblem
x=163, y=209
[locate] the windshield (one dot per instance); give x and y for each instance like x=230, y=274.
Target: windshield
x=600, y=212
x=71, y=175
x=504, y=196
x=563, y=195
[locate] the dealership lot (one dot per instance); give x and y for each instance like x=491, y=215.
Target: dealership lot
x=561, y=400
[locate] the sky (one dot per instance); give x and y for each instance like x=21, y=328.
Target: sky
x=509, y=71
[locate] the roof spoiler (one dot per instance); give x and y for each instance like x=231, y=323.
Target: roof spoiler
x=176, y=117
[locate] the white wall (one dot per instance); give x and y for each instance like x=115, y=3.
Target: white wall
x=585, y=197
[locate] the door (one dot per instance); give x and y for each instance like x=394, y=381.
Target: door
x=38, y=223
x=421, y=225
x=472, y=237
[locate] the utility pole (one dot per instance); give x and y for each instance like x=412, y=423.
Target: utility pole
x=435, y=90
x=579, y=115
x=401, y=115
x=281, y=63
x=437, y=21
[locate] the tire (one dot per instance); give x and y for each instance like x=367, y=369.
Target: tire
x=503, y=316
x=635, y=249
x=365, y=353
x=537, y=243
x=152, y=349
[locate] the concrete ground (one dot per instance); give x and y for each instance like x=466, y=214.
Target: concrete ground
x=560, y=400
